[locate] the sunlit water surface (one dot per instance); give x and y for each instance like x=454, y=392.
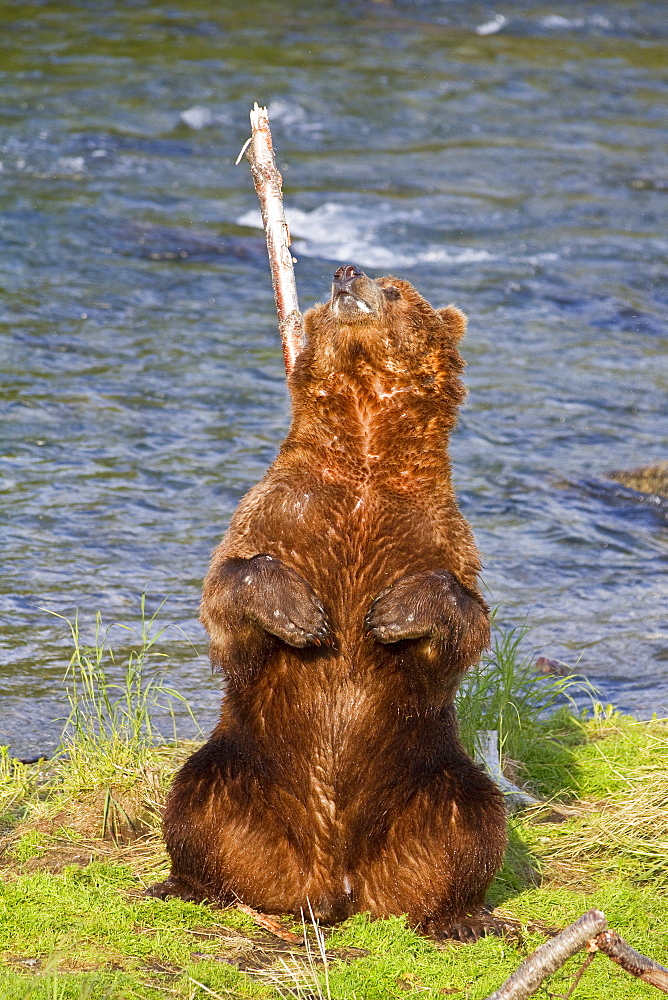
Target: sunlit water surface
x=507, y=159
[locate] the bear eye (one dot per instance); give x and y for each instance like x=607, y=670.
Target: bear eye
x=392, y=293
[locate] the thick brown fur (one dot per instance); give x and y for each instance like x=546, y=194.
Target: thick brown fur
x=343, y=609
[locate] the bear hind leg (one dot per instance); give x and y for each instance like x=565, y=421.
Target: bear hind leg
x=439, y=859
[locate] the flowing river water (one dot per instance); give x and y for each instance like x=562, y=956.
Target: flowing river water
x=506, y=158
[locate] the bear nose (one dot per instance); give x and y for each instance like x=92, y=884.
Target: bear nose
x=344, y=274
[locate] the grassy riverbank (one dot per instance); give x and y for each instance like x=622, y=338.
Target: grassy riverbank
x=80, y=836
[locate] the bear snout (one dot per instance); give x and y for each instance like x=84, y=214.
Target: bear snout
x=345, y=274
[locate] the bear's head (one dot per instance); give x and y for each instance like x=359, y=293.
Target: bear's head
x=383, y=327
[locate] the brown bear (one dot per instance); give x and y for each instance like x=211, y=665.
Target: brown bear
x=343, y=610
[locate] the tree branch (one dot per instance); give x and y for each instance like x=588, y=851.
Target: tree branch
x=590, y=931
x=269, y=187
x=620, y=951
x=550, y=956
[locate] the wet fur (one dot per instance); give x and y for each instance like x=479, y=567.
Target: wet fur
x=343, y=609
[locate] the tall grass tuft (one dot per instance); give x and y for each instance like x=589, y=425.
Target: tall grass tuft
x=103, y=710
x=111, y=751
x=503, y=692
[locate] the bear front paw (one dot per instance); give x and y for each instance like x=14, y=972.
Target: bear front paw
x=398, y=613
x=430, y=604
x=303, y=626
x=283, y=603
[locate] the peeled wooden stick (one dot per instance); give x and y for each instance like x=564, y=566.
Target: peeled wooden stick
x=269, y=187
x=270, y=924
x=487, y=754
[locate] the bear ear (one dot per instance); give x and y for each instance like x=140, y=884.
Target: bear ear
x=455, y=321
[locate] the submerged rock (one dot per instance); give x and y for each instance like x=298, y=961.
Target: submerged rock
x=646, y=479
